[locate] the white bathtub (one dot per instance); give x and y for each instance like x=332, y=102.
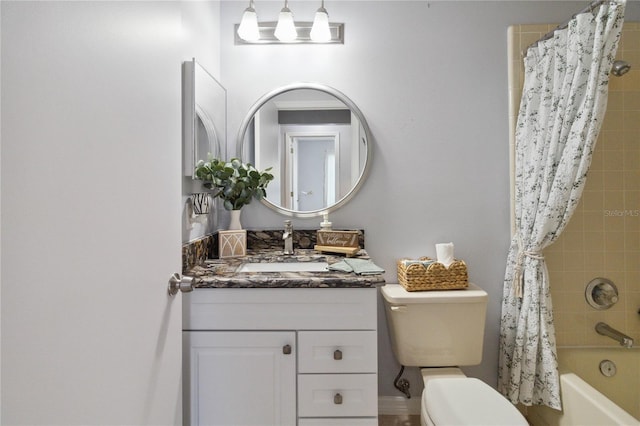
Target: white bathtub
x=587, y=395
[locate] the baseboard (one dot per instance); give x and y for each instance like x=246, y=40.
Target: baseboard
x=398, y=405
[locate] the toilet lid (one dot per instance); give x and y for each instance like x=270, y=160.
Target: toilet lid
x=468, y=401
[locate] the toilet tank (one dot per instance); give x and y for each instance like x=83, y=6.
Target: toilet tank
x=436, y=328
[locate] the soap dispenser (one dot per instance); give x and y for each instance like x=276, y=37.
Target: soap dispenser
x=323, y=235
x=325, y=225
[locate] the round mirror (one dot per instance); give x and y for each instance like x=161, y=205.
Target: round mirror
x=317, y=143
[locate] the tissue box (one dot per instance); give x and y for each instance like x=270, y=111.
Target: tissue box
x=232, y=243
x=417, y=277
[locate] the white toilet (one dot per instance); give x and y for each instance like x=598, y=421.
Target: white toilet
x=440, y=331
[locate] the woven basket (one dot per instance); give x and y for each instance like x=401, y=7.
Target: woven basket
x=417, y=277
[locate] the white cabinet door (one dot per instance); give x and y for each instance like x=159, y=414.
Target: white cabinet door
x=240, y=377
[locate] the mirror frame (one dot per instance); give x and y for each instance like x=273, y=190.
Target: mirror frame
x=354, y=109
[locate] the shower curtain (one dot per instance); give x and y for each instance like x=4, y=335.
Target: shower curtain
x=563, y=103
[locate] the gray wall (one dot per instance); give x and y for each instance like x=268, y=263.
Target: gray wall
x=431, y=79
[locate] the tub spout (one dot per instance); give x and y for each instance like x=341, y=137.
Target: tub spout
x=619, y=337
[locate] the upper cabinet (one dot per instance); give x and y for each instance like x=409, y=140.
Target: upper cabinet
x=204, y=116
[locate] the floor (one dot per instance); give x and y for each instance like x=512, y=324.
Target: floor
x=386, y=420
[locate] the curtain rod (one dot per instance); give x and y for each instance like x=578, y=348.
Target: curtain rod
x=565, y=24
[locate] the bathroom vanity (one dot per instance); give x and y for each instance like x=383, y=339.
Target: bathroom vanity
x=280, y=348
x=273, y=339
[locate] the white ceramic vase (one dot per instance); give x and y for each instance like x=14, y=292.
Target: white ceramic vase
x=234, y=222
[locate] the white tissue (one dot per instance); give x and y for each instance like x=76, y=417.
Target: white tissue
x=444, y=253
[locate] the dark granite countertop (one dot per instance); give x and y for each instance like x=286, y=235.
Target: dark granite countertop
x=221, y=273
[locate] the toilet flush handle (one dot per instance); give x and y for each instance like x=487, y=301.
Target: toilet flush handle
x=398, y=308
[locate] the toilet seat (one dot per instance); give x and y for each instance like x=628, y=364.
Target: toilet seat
x=467, y=401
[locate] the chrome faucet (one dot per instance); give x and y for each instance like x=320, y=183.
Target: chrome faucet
x=608, y=331
x=287, y=236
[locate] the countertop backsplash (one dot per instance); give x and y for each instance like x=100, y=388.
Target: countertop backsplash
x=197, y=251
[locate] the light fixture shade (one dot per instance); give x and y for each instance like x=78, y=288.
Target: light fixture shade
x=286, y=29
x=320, y=30
x=248, y=29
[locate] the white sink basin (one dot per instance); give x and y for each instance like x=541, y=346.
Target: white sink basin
x=284, y=267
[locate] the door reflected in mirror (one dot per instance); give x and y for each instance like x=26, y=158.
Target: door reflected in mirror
x=313, y=163
x=317, y=143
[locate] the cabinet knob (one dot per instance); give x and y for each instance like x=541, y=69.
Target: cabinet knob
x=286, y=349
x=337, y=354
x=337, y=399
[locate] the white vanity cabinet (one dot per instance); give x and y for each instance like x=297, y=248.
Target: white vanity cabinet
x=280, y=356
x=259, y=366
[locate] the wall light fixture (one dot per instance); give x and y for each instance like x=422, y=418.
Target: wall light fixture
x=248, y=29
x=286, y=30
x=320, y=31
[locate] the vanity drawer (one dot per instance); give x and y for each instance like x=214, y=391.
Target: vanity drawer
x=337, y=352
x=332, y=421
x=337, y=395
x=280, y=309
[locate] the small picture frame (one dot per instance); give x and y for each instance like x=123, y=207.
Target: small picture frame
x=232, y=243
x=338, y=238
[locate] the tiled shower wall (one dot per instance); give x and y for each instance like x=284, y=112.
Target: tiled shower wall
x=603, y=237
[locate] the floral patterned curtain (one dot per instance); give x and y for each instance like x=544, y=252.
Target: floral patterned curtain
x=563, y=104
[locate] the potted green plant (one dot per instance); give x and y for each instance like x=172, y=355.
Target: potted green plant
x=237, y=183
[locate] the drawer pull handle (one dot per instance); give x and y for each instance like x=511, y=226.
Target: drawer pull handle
x=337, y=399
x=286, y=349
x=337, y=354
